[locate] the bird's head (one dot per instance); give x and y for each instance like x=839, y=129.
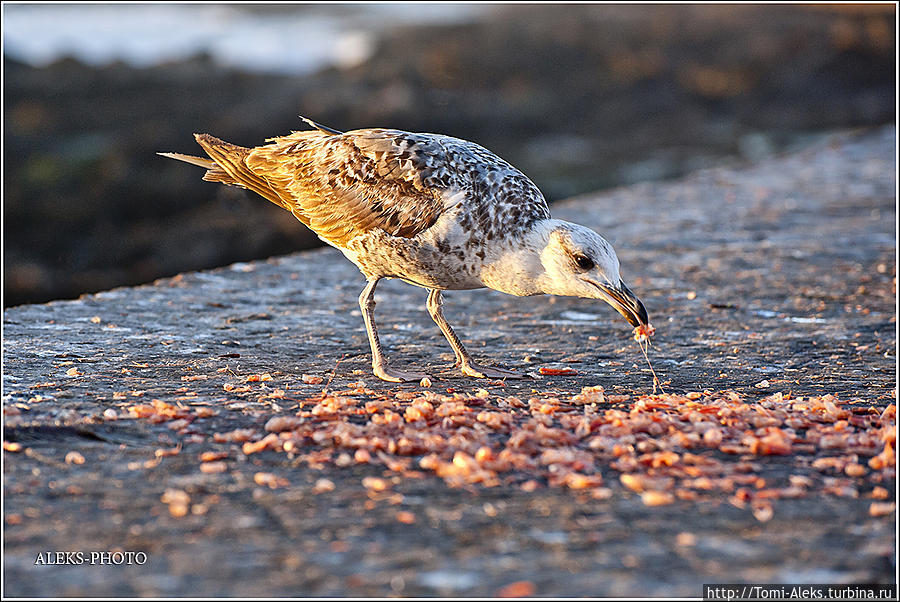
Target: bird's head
x=578, y=262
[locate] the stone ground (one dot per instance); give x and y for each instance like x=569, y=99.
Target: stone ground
x=773, y=278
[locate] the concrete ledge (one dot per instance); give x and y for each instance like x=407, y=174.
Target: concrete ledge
x=774, y=278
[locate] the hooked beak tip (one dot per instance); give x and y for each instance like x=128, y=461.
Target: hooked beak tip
x=632, y=308
x=625, y=302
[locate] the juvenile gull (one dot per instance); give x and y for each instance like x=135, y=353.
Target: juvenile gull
x=432, y=210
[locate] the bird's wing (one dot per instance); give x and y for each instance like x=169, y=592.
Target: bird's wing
x=341, y=185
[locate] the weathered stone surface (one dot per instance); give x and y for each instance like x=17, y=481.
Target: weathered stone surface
x=776, y=277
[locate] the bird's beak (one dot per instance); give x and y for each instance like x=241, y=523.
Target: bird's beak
x=624, y=302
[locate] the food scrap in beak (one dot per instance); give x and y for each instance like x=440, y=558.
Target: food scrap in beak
x=643, y=332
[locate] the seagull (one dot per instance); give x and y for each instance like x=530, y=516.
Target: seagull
x=432, y=210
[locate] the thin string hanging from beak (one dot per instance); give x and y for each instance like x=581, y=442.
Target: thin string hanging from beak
x=652, y=371
x=643, y=336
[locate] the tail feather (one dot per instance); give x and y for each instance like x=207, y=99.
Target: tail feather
x=228, y=166
x=198, y=161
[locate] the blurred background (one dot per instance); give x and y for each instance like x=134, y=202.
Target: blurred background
x=579, y=97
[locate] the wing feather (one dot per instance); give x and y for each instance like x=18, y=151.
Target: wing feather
x=344, y=185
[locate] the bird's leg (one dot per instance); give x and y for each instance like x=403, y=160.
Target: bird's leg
x=379, y=364
x=463, y=359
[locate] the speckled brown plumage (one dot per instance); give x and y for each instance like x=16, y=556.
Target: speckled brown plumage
x=343, y=185
x=436, y=211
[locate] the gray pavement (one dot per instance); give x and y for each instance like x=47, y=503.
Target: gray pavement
x=766, y=279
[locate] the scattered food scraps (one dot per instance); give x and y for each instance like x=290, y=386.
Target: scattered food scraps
x=556, y=371
x=213, y=467
x=73, y=457
x=405, y=517
x=255, y=378
x=211, y=456
x=323, y=485
x=881, y=508
x=518, y=589
x=663, y=447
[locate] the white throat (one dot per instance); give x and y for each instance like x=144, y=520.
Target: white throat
x=555, y=258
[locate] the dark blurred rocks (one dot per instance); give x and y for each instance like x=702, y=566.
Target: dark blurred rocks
x=579, y=97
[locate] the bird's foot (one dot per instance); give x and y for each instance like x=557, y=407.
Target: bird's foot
x=396, y=376
x=478, y=371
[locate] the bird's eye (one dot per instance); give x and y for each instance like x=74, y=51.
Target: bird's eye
x=584, y=262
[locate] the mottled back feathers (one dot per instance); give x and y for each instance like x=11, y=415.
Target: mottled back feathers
x=342, y=185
